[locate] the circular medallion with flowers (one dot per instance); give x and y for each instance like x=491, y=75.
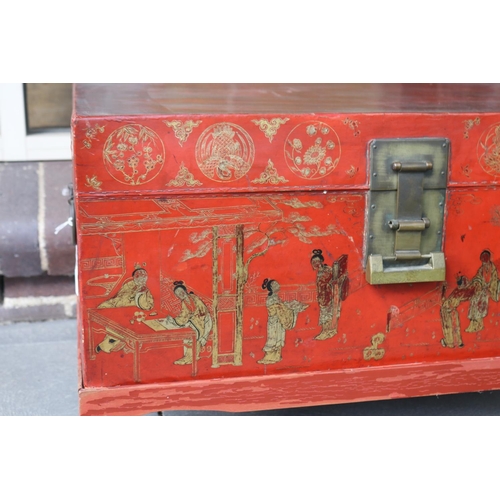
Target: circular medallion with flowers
x=312, y=150
x=488, y=150
x=134, y=154
x=225, y=152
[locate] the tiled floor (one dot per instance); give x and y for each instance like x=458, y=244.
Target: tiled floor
x=38, y=376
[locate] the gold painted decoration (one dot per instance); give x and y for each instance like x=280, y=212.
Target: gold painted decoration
x=478, y=292
x=353, y=125
x=304, y=234
x=466, y=170
x=184, y=178
x=225, y=152
x=106, y=282
x=201, y=251
x=296, y=203
x=495, y=215
x=488, y=150
x=93, y=182
x=91, y=134
x=223, y=241
x=112, y=342
x=282, y=316
x=312, y=150
x=332, y=283
x=270, y=176
x=134, y=154
x=350, y=202
x=352, y=171
x=374, y=351
x=133, y=292
x=270, y=127
x=193, y=314
x=94, y=264
x=469, y=124
x=182, y=130
x=485, y=290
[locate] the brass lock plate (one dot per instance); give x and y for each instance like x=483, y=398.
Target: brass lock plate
x=405, y=210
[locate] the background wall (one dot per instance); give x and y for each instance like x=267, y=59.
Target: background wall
x=36, y=265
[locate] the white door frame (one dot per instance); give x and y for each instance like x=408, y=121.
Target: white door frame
x=15, y=143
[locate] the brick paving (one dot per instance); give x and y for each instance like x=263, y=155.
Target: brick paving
x=36, y=265
x=19, y=247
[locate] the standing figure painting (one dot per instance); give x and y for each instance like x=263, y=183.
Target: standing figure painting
x=485, y=284
x=450, y=319
x=333, y=285
x=282, y=316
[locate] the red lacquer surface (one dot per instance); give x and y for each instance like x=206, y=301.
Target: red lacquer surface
x=223, y=203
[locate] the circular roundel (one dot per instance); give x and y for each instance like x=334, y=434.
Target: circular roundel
x=134, y=154
x=312, y=150
x=488, y=150
x=225, y=152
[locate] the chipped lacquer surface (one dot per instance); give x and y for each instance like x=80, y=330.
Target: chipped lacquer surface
x=296, y=390
x=217, y=252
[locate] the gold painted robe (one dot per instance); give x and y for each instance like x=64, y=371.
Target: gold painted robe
x=281, y=317
x=195, y=313
x=130, y=294
x=485, y=283
x=450, y=319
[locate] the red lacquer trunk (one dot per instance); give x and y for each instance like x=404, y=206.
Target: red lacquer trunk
x=222, y=246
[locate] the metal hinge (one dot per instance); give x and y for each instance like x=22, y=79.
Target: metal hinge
x=70, y=221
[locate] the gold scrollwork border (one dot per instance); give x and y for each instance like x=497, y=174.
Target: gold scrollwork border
x=93, y=182
x=91, y=135
x=469, y=124
x=353, y=125
x=184, y=178
x=270, y=176
x=270, y=127
x=182, y=131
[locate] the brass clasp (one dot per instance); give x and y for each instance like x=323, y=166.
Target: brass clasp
x=406, y=210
